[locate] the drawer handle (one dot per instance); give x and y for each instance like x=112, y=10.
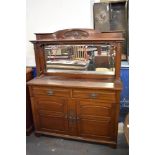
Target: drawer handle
x=93, y=95
x=49, y=92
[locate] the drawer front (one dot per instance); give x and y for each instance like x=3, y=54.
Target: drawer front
x=104, y=95
x=50, y=91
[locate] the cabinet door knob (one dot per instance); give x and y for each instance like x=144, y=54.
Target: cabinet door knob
x=49, y=92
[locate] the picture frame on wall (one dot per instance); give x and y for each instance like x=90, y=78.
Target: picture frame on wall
x=112, y=15
x=101, y=17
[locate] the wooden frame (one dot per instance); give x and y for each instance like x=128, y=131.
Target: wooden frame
x=75, y=36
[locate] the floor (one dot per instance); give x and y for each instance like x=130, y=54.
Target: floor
x=57, y=146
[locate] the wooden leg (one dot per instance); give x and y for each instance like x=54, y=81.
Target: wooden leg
x=114, y=146
x=29, y=131
x=37, y=134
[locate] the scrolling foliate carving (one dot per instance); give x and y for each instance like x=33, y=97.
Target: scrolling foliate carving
x=76, y=34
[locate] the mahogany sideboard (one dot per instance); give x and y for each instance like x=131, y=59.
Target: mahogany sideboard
x=71, y=103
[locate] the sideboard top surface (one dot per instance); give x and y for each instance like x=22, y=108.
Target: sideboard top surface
x=61, y=81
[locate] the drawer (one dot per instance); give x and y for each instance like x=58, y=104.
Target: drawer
x=50, y=91
x=104, y=95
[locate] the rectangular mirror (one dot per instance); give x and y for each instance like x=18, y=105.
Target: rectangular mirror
x=92, y=58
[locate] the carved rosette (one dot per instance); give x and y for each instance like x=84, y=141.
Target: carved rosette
x=76, y=34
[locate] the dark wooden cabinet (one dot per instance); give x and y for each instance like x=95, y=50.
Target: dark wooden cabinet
x=82, y=105
x=29, y=120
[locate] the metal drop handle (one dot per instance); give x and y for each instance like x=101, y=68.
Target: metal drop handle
x=49, y=92
x=78, y=118
x=66, y=116
x=93, y=95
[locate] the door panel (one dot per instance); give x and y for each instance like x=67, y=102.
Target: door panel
x=94, y=128
x=54, y=106
x=51, y=114
x=55, y=124
x=94, y=108
x=94, y=119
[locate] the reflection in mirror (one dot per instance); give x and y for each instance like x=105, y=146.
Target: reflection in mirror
x=98, y=58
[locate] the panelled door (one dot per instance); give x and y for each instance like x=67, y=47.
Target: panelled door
x=51, y=114
x=94, y=119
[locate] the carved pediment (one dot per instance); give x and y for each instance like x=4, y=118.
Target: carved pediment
x=76, y=34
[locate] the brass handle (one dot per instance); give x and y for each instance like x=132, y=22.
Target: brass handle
x=78, y=118
x=93, y=95
x=49, y=92
x=66, y=116
x=72, y=116
x=72, y=119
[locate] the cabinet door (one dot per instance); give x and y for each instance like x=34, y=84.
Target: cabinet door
x=51, y=114
x=95, y=119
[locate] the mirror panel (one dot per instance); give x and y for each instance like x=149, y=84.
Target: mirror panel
x=92, y=58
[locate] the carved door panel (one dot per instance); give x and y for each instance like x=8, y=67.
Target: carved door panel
x=94, y=119
x=51, y=115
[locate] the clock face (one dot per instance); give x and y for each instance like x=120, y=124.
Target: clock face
x=101, y=17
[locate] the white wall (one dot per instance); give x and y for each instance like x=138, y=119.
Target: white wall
x=52, y=15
